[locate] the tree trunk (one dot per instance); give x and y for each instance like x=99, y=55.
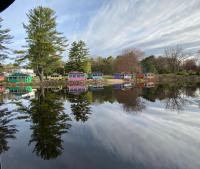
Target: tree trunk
x=41, y=75
x=41, y=95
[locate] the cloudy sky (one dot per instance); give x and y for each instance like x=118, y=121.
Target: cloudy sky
x=110, y=26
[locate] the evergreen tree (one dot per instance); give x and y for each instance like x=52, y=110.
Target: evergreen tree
x=78, y=57
x=45, y=44
x=4, y=41
x=148, y=64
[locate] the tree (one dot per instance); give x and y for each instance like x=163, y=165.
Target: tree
x=128, y=61
x=78, y=57
x=190, y=65
x=87, y=68
x=162, y=65
x=148, y=64
x=5, y=39
x=45, y=44
x=104, y=65
x=176, y=56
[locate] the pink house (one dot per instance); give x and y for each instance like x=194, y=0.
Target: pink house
x=76, y=76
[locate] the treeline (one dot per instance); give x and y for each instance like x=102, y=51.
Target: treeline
x=128, y=61
x=45, y=47
x=175, y=60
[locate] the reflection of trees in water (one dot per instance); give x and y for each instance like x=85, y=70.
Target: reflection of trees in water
x=80, y=106
x=173, y=94
x=7, y=130
x=130, y=99
x=49, y=123
x=190, y=90
x=176, y=99
x=159, y=92
x=105, y=95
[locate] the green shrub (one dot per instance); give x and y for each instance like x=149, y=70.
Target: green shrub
x=182, y=73
x=108, y=77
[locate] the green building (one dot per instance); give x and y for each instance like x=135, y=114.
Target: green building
x=95, y=76
x=19, y=78
x=20, y=90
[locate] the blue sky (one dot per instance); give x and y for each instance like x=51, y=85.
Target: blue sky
x=110, y=26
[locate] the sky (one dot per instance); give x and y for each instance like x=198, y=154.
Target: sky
x=111, y=26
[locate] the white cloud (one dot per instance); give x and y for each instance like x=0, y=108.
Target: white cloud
x=109, y=26
x=149, y=25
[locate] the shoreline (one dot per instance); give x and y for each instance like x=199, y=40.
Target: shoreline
x=159, y=79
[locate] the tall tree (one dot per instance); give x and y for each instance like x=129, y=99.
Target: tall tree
x=190, y=65
x=128, y=61
x=5, y=39
x=45, y=44
x=78, y=57
x=148, y=64
x=176, y=56
x=104, y=65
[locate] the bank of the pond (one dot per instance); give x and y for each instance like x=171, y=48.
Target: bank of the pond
x=159, y=79
x=173, y=78
x=36, y=82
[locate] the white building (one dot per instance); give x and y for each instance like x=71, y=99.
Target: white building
x=25, y=71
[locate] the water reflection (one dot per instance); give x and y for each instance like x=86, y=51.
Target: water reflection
x=130, y=96
x=80, y=105
x=49, y=123
x=176, y=99
x=7, y=129
x=130, y=99
x=80, y=123
x=76, y=88
x=174, y=96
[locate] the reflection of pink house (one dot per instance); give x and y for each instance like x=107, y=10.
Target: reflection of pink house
x=2, y=77
x=77, y=89
x=2, y=89
x=76, y=76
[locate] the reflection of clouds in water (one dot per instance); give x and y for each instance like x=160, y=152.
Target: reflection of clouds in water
x=157, y=138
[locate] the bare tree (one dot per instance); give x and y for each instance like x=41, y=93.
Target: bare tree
x=176, y=56
x=190, y=65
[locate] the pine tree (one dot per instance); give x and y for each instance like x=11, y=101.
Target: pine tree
x=5, y=40
x=45, y=44
x=78, y=57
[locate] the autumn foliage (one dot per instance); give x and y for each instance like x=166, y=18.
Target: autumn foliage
x=128, y=61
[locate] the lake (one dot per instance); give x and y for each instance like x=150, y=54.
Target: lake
x=146, y=126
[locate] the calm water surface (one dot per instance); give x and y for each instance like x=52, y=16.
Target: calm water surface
x=96, y=127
